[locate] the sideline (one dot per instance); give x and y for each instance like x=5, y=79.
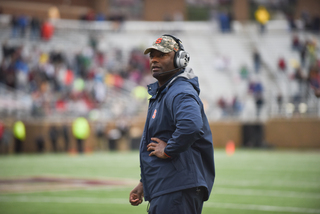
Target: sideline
x=69, y=200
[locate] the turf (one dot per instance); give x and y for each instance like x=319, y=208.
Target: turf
x=248, y=182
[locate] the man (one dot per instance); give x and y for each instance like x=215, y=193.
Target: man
x=176, y=150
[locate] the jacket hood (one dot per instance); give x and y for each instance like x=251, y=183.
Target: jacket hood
x=190, y=76
x=187, y=74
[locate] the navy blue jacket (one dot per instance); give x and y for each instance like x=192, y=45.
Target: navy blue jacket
x=176, y=116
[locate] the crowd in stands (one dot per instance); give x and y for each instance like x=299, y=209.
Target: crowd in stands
x=23, y=26
x=304, y=72
x=92, y=16
x=37, y=28
x=307, y=71
x=64, y=81
x=116, y=18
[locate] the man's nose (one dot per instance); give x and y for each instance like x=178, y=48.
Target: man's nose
x=154, y=59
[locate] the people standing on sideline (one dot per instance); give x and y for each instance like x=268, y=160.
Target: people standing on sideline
x=66, y=138
x=19, y=134
x=39, y=141
x=100, y=131
x=54, y=135
x=81, y=131
x=6, y=140
x=2, y=128
x=176, y=150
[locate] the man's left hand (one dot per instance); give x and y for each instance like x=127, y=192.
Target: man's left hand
x=157, y=148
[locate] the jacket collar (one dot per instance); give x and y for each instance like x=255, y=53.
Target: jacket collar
x=154, y=89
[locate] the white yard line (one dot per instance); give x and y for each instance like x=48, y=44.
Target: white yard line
x=269, y=183
x=262, y=192
x=93, y=188
x=86, y=200
x=261, y=207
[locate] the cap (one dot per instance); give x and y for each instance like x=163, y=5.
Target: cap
x=164, y=44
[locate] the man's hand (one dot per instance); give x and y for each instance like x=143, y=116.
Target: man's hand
x=157, y=148
x=136, y=195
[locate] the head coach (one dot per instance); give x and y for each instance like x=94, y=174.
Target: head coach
x=176, y=150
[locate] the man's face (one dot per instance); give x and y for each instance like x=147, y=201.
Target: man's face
x=161, y=62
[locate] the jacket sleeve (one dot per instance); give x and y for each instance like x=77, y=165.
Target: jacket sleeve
x=188, y=124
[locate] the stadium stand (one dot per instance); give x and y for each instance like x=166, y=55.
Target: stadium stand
x=215, y=57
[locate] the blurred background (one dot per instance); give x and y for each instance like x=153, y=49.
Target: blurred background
x=79, y=65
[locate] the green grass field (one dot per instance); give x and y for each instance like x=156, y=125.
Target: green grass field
x=249, y=182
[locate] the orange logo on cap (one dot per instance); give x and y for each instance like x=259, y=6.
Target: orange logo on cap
x=159, y=40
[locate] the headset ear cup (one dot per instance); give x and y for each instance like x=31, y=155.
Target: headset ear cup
x=182, y=59
x=186, y=57
x=176, y=59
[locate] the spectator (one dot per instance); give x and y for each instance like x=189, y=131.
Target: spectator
x=282, y=66
x=316, y=24
x=236, y=106
x=53, y=13
x=259, y=101
x=7, y=50
x=256, y=88
x=100, y=17
x=35, y=27
x=224, y=21
x=256, y=60
x=47, y=30
x=302, y=53
x=298, y=76
x=295, y=43
x=223, y=106
x=22, y=24
x=312, y=50
x=279, y=102
x=262, y=16
x=291, y=22
x=314, y=79
x=14, y=26
x=244, y=72
x=230, y=20
x=306, y=20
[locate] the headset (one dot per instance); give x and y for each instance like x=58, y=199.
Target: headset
x=181, y=57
